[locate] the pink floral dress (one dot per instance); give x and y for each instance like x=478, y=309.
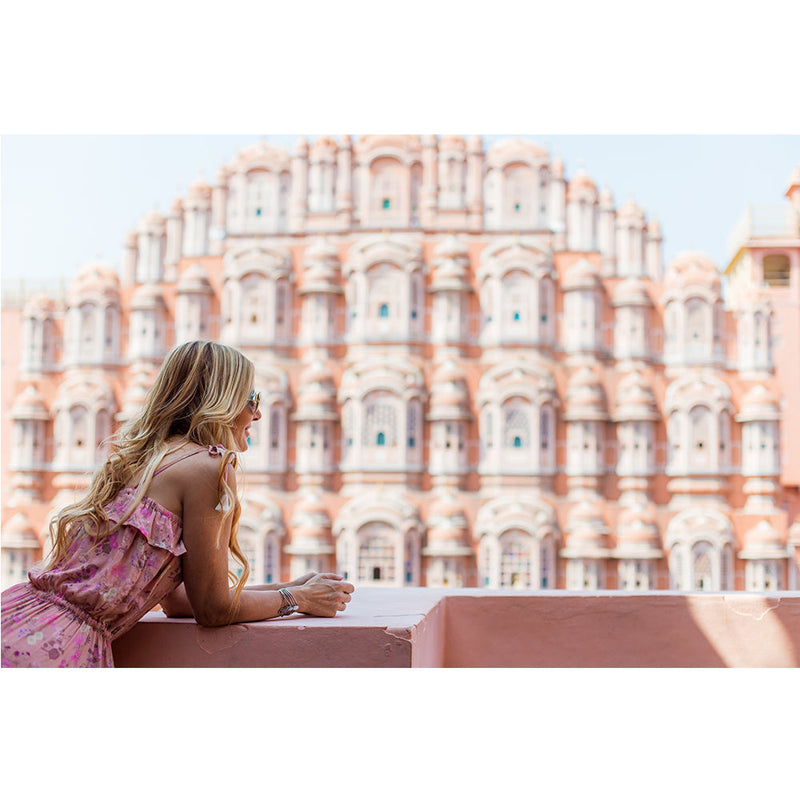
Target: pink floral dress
x=68, y=616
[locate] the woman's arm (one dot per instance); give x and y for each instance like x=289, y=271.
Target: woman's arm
x=176, y=603
x=205, y=565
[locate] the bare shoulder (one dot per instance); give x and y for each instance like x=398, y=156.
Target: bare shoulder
x=192, y=479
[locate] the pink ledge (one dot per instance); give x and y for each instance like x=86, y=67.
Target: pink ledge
x=419, y=627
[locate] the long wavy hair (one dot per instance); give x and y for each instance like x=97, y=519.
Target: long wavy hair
x=200, y=390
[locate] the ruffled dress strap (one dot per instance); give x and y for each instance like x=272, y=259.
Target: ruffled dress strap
x=212, y=450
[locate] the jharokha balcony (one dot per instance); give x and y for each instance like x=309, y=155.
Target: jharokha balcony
x=422, y=627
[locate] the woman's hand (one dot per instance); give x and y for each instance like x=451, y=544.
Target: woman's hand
x=303, y=579
x=323, y=594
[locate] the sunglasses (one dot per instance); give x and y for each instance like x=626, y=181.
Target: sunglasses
x=254, y=401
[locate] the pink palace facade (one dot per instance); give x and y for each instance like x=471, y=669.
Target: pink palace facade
x=475, y=370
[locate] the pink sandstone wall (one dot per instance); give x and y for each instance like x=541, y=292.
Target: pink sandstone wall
x=473, y=628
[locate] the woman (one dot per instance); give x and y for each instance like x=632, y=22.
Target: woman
x=157, y=526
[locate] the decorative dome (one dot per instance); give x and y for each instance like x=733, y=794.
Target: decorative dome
x=475, y=144
x=310, y=514
x=152, y=223
x=322, y=269
x=221, y=178
x=637, y=533
x=654, y=229
x=325, y=144
x=606, y=199
x=631, y=292
x=29, y=405
x=513, y=149
x=19, y=533
x=692, y=269
x=635, y=400
x=176, y=207
x=147, y=297
x=586, y=398
x=96, y=278
x=199, y=190
x=261, y=156
x=316, y=394
x=135, y=394
x=759, y=404
x=194, y=280
x=39, y=305
x=581, y=184
x=449, y=393
x=763, y=541
x=587, y=531
x=447, y=528
x=630, y=212
x=581, y=275
x=452, y=143
x=450, y=265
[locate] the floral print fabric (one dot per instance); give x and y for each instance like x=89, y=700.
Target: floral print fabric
x=68, y=616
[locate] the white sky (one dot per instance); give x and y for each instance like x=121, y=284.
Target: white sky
x=68, y=200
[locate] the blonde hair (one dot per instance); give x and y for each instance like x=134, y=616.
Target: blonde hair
x=200, y=390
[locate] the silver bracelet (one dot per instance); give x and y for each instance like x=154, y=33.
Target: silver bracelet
x=289, y=603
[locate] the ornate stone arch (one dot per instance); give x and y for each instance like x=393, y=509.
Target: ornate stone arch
x=517, y=386
x=700, y=542
x=503, y=527
x=84, y=411
x=262, y=530
x=380, y=530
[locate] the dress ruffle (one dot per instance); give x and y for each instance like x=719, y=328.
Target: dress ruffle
x=157, y=524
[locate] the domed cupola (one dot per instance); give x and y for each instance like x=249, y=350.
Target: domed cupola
x=20, y=549
x=449, y=415
x=316, y=418
x=93, y=317
x=311, y=548
x=193, y=305
x=586, y=546
x=692, y=312
x=39, y=335
x=450, y=287
x=585, y=416
x=196, y=220
x=581, y=213
x=764, y=554
x=760, y=418
x=148, y=322
x=135, y=394
x=319, y=291
x=447, y=551
x=29, y=417
x=630, y=248
x=151, y=248
x=632, y=305
x=583, y=311
x=638, y=548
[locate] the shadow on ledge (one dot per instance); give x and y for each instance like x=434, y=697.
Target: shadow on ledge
x=419, y=627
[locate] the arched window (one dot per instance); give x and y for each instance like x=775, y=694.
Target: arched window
x=383, y=311
x=516, y=428
x=380, y=425
x=376, y=555
x=515, y=560
x=702, y=579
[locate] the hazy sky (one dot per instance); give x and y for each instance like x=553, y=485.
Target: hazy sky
x=67, y=200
